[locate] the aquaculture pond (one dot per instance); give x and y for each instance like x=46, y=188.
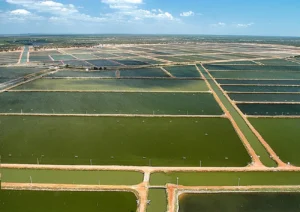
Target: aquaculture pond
x=243, y=68
x=76, y=73
x=261, y=89
x=62, y=201
x=116, y=84
x=282, y=135
x=265, y=97
x=240, y=202
x=225, y=178
x=183, y=71
x=158, y=198
x=109, y=103
x=70, y=177
x=256, y=74
x=121, y=141
x=270, y=109
x=145, y=72
x=258, y=82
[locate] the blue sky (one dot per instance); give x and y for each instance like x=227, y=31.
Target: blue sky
x=221, y=17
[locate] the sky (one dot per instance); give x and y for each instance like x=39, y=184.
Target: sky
x=217, y=17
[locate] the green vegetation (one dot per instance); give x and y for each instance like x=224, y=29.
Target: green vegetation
x=158, y=199
x=226, y=178
x=61, y=201
x=121, y=141
x=282, y=135
x=239, y=202
x=71, y=177
x=250, y=136
x=109, y=103
x=117, y=84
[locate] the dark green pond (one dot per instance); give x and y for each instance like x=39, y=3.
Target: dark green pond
x=240, y=202
x=254, y=97
x=259, y=82
x=256, y=74
x=121, y=141
x=62, y=201
x=270, y=109
x=249, y=88
x=282, y=67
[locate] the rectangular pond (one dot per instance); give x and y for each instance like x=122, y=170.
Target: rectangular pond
x=259, y=88
x=121, y=141
x=183, y=71
x=62, y=201
x=258, y=82
x=265, y=97
x=116, y=84
x=70, y=176
x=225, y=178
x=270, y=109
x=109, y=103
x=255, y=74
x=282, y=135
x=240, y=202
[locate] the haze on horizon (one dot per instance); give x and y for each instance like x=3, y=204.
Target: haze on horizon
x=219, y=17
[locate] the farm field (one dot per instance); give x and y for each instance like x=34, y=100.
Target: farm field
x=147, y=124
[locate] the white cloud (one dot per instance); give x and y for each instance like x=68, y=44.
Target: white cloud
x=122, y=4
x=20, y=12
x=220, y=24
x=19, y=15
x=243, y=25
x=123, y=11
x=51, y=7
x=187, y=14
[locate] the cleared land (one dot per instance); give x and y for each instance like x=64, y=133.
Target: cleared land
x=109, y=103
x=282, y=135
x=121, y=141
x=61, y=201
